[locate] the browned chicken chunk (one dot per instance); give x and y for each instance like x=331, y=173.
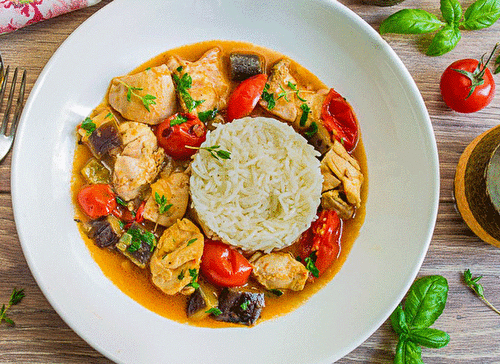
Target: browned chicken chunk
x=176, y=261
x=168, y=200
x=129, y=95
x=280, y=271
x=140, y=161
x=201, y=85
x=338, y=165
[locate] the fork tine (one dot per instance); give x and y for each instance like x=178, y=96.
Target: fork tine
x=19, y=105
x=9, y=103
x=3, y=87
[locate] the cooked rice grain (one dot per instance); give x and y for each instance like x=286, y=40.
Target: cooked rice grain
x=267, y=194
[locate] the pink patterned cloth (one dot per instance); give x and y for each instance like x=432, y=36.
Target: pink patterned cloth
x=15, y=14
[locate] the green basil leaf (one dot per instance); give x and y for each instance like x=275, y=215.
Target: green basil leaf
x=398, y=320
x=411, y=21
x=452, y=11
x=431, y=338
x=444, y=41
x=407, y=352
x=425, y=301
x=481, y=14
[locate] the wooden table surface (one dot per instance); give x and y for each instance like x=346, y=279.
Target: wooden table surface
x=41, y=336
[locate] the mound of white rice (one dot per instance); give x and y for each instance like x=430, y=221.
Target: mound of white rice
x=266, y=194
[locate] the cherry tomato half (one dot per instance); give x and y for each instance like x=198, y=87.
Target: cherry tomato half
x=178, y=131
x=339, y=119
x=245, y=96
x=456, y=86
x=223, y=265
x=97, y=200
x=322, y=240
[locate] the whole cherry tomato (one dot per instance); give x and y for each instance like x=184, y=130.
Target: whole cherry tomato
x=245, y=96
x=223, y=265
x=97, y=200
x=319, y=246
x=339, y=119
x=467, y=85
x=178, y=131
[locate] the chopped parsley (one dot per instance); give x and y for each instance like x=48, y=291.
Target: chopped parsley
x=191, y=241
x=88, y=125
x=276, y=292
x=179, y=119
x=180, y=277
x=140, y=237
x=194, y=276
x=268, y=97
x=244, y=305
x=305, y=114
x=184, y=83
x=120, y=201
x=208, y=115
x=313, y=129
x=146, y=99
x=310, y=262
x=162, y=203
x=214, y=311
x=215, y=151
x=15, y=297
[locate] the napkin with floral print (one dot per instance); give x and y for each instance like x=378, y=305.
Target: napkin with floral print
x=15, y=14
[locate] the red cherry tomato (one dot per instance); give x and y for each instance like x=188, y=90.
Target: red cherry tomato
x=245, y=96
x=178, y=131
x=97, y=200
x=322, y=241
x=223, y=265
x=456, y=87
x=339, y=120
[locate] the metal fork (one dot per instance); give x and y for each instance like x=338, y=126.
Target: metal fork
x=7, y=138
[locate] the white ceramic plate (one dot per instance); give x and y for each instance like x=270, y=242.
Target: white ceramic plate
x=332, y=42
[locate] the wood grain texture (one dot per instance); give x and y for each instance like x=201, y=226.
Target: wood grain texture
x=41, y=336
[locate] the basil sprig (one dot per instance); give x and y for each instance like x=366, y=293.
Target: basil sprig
x=424, y=303
x=480, y=14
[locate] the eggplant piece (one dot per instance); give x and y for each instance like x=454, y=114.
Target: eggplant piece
x=104, y=139
x=244, y=65
x=105, y=231
x=201, y=301
x=95, y=172
x=240, y=306
x=137, y=244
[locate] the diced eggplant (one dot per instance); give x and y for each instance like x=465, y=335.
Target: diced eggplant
x=95, y=172
x=201, y=301
x=105, y=138
x=105, y=231
x=137, y=244
x=240, y=306
x=244, y=65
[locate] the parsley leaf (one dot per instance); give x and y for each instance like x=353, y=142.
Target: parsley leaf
x=276, y=292
x=162, y=203
x=214, y=151
x=244, y=305
x=179, y=119
x=208, y=115
x=313, y=129
x=310, y=264
x=473, y=284
x=88, y=125
x=268, y=97
x=140, y=237
x=305, y=114
x=180, y=277
x=194, y=276
x=214, y=311
x=191, y=241
x=184, y=83
x=146, y=99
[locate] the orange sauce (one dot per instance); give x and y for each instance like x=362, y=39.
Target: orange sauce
x=136, y=283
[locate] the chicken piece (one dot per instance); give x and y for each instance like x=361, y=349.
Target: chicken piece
x=127, y=95
x=140, y=161
x=280, y=271
x=173, y=191
x=200, y=85
x=176, y=261
x=284, y=106
x=345, y=168
x=331, y=200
